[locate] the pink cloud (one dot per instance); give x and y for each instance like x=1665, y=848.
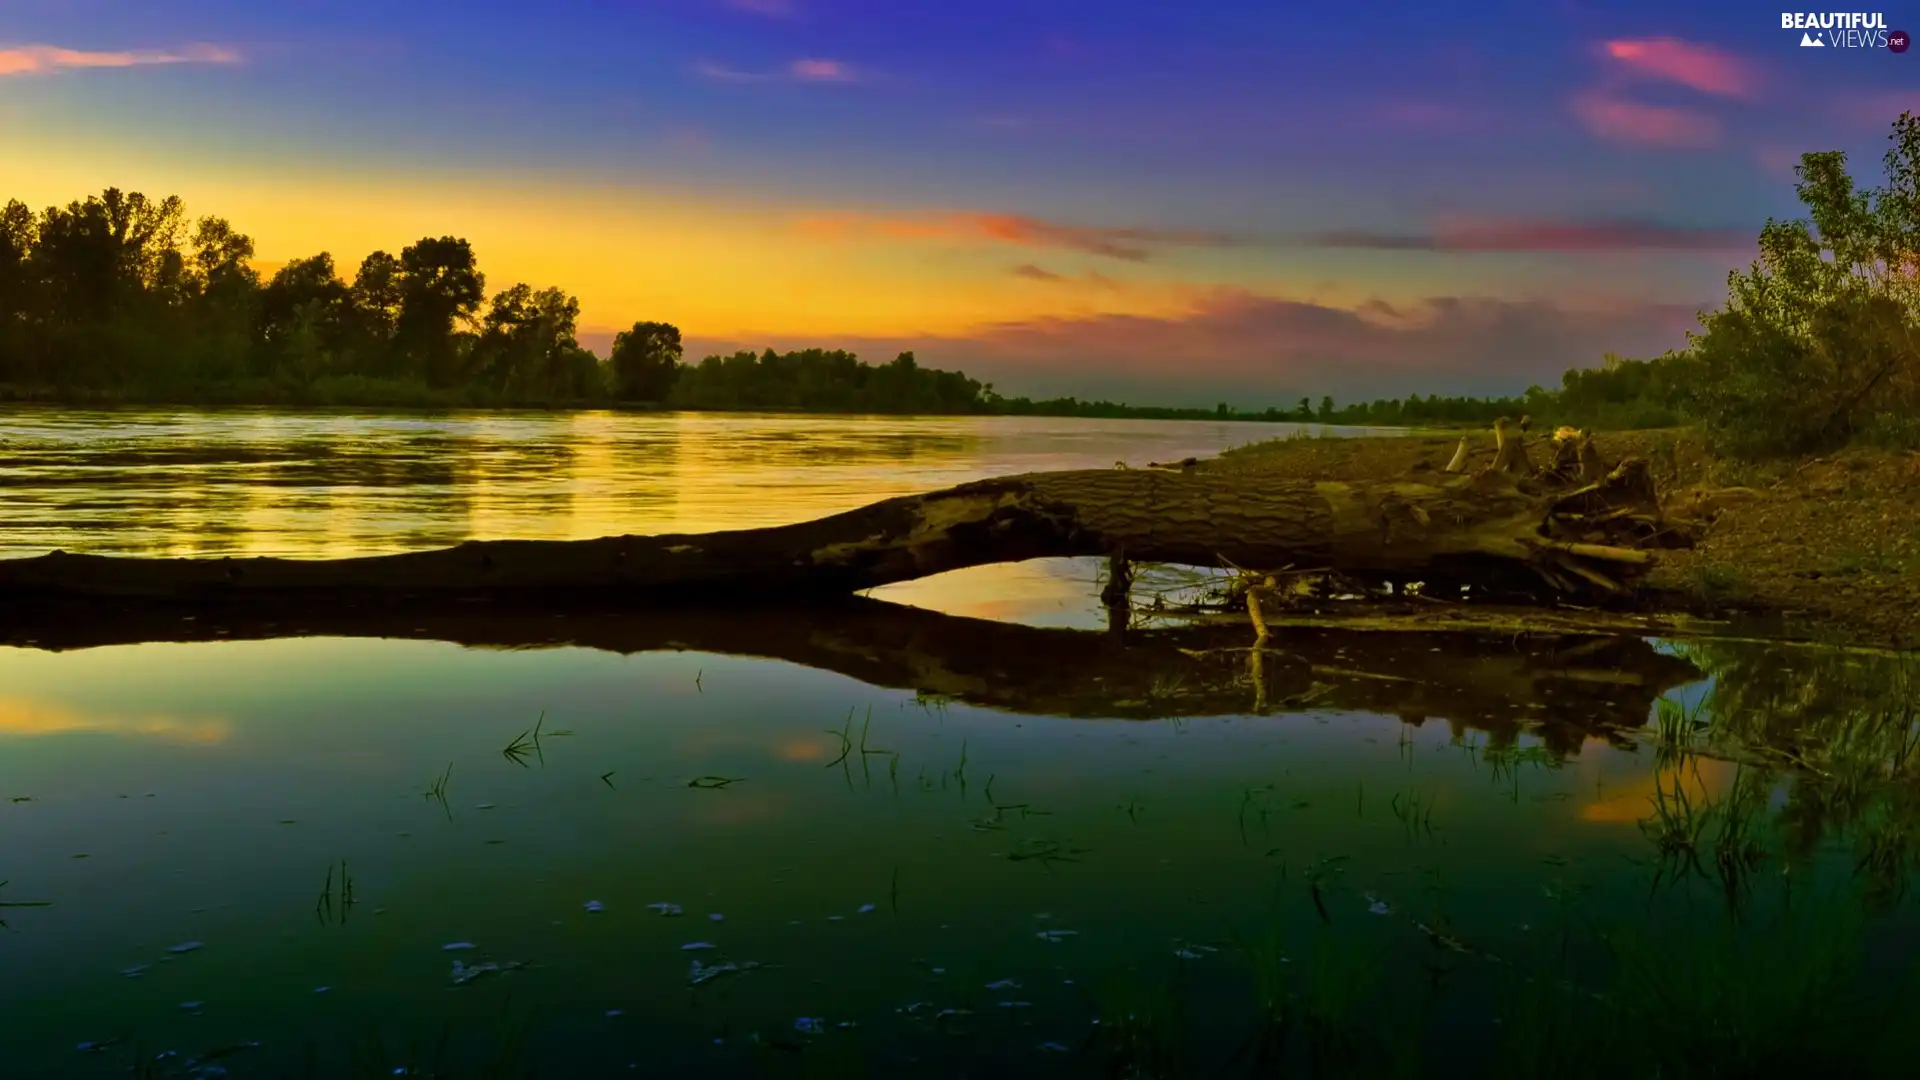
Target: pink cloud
x=46, y=59
x=1248, y=345
x=1128, y=243
x=1699, y=67
x=706, y=69
x=820, y=71
x=1489, y=235
x=807, y=70
x=1647, y=125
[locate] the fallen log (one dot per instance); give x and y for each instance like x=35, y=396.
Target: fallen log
x=1492, y=529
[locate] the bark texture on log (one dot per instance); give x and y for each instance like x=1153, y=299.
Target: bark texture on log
x=1467, y=528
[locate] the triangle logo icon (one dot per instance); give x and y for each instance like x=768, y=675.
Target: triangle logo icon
x=1808, y=41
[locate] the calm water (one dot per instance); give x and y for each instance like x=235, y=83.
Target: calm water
x=927, y=843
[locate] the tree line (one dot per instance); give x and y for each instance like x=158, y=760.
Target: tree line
x=122, y=296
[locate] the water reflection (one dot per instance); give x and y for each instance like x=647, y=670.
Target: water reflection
x=340, y=483
x=935, y=844
x=1563, y=691
x=922, y=815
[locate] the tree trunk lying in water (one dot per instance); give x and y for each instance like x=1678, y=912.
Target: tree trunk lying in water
x=1498, y=682
x=1491, y=529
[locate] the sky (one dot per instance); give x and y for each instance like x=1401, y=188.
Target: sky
x=1150, y=201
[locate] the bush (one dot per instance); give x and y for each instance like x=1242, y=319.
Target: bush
x=1818, y=341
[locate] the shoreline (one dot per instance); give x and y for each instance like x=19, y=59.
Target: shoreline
x=1827, y=547
x=454, y=402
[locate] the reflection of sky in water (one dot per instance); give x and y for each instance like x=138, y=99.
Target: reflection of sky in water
x=211, y=786
x=258, y=483
x=214, y=788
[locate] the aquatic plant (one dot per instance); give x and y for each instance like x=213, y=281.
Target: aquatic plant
x=437, y=790
x=1415, y=812
x=1784, y=998
x=526, y=744
x=19, y=904
x=714, y=782
x=1675, y=829
x=324, y=906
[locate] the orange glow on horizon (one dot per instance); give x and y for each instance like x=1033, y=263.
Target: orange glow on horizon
x=736, y=270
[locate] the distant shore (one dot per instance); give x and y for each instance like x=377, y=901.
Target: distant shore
x=242, y=396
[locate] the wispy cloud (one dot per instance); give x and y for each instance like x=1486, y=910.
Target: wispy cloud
x=47, y=59
x=769, y=9
x=1130, y=243
x=1604, y=111
x=1036, y=273
x=821, y=71
x=1698, y=67
x=808, y=70
x=707, y=69
x=1538, y=235
x=1042, y=274
x=1631, y=122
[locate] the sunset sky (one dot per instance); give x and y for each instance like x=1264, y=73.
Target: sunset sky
x=1156, y=201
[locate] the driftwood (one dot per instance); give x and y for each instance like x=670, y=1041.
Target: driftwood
x=1574, y=683
x=1494, y=529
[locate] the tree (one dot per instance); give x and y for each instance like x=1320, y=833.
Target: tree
x=223, y=337
x=645, y=361
x=221, y=255
x=527, y=345
x=1819, y=338
x=376, y=294
x=305, y=318
x=439, y=283
x=1326, y=410
x=17, y=230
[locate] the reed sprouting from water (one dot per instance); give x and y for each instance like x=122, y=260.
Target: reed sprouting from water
x=437, y=790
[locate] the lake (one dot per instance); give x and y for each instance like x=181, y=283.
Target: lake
x=955, y=829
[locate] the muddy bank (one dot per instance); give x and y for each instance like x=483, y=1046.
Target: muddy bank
x=1830, y=545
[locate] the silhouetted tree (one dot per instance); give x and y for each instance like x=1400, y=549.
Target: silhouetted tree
x=305, y=320
x=527, y=348
x=645, y=361
x=440, y=285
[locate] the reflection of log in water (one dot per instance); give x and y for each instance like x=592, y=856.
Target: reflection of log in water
x=1496, y=682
